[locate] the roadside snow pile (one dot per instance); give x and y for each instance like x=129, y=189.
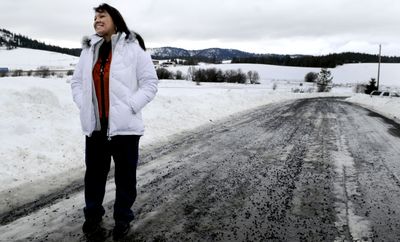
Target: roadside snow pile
x=39, y=133
x=386, y=106
x=181, y=105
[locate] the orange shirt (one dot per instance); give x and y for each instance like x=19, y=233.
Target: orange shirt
x=98, y=85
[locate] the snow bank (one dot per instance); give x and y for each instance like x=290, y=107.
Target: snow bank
x=182, y=105
x=386, y=106
x=39, y=132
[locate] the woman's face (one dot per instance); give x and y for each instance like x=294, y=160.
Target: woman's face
x=104, y=25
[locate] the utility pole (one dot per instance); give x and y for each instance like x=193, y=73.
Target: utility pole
x=379, y=67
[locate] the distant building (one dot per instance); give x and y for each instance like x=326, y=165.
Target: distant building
x=156, y=63
x=4, y=70
x=168, y=64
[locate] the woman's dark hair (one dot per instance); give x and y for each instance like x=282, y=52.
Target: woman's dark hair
x=119, y=22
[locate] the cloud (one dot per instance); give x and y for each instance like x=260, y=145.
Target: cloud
x=264, y=26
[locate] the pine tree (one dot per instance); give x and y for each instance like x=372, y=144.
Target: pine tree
x=324, y=80
x=371, y=86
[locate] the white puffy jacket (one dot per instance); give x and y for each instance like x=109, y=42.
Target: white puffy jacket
x=133, y=84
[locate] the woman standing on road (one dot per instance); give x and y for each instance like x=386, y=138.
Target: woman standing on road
x=113, y=81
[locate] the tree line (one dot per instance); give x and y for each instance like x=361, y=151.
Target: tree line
x=42, y=71
x=229, y=76
x=211, y=75
x=325, y=61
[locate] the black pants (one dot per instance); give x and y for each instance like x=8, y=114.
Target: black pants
x=124, y=150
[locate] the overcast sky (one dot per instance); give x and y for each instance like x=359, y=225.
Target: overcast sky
x=262, y=26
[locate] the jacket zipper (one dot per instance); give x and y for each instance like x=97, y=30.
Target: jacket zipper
x=109, y=90
x=102, y=90
x=103, y=101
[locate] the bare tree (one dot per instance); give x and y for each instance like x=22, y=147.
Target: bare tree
x=253, y=77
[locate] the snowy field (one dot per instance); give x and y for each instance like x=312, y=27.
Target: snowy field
x=30, y=59
x=345, y=74
x=40, y=129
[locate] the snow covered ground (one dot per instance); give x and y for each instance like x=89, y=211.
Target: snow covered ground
x=40, y=129
x=386, y=106
x=30, y=59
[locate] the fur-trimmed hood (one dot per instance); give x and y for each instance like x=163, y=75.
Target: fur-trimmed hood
x=88, y=41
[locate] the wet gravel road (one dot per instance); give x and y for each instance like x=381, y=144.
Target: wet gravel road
x=308, y=170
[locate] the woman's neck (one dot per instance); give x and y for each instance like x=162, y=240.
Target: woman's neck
x=107, y=38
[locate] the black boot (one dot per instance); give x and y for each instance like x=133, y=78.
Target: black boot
x=93, y=230
x=120, y=230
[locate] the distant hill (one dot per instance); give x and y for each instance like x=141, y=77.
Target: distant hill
x=216, y=54
x=11, y=41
